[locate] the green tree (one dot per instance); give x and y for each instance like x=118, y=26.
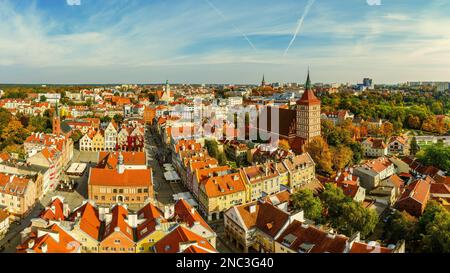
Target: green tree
x=436, y=155
x=414, y=147
x=356, y=218
x=402, y=226
x=312, y=206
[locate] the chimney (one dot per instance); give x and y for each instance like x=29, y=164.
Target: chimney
x=252, y=208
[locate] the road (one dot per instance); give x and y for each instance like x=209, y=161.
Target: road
x=164, y=191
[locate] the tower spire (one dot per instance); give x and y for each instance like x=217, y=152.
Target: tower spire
x=263, y=83
x=308, y=82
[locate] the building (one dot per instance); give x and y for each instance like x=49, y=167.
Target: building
x=118, y=236
x=301, y=237
x=308, y=114
x=415, y=197
x=261, y=180
x=111, y=136
x=18, y=195
x=4, y=221
x=350, y=185
x=257, y=225
x=108, y=186
x=98, y=142
x=86, y=227
x=298, y=126
x=373, y=172
x=374, y=147
x=301, y=169
x=51, y=239
x=338, y=117
x=399, y=145
x=182, y=240
x=219, y=193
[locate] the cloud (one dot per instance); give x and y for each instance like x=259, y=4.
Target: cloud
x=73, y=2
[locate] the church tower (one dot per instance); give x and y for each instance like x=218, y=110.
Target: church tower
x=263, y=83
x=56, y=122
x=308, y=114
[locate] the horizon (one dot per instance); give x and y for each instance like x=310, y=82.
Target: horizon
x=87, y=42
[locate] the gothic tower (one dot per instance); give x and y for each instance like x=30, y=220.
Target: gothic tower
x=56, y=122
x=263, y=83
x=308, y=114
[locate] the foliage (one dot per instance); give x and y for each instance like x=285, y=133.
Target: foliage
x=312, y=206
x=321, y=154
x=342, y=157
x=436, y=155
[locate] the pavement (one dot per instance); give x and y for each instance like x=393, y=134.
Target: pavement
x=164, y=190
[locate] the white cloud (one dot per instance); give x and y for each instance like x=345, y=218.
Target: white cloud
x=73, y=2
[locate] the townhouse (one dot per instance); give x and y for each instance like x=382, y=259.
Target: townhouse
x=302, y=171
x=221, y=192
x=373, y=147
x=261, y=179
x=17, y=194
x=373, y=172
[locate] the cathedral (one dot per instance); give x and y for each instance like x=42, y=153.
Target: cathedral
x=299, y=125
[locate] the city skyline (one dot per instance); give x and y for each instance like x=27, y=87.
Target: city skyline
x=207, y=41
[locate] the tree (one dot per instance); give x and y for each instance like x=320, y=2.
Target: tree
x=402, y=226
x=358, y=152
x=332, y=198
x=387, y=129
x=414, y=147
x=14, y=133
x=284, y=145
x=437, y=236
x=76, y=136
x=356, y=218
x=414, y=122
x=436, y=155
x=118, y=118
x=43, y=98
x=342, y=157
x=312, y=206
x=321, y=154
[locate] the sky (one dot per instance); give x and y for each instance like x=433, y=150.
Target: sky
x=216, y=41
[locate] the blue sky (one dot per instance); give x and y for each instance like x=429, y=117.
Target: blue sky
x=216, y=41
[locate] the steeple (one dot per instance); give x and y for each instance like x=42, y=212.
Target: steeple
x=308, y=82
x=263, y=83
x=56, y=126
x=308, y=97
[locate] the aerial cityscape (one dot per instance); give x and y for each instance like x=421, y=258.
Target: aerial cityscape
x=301, y=127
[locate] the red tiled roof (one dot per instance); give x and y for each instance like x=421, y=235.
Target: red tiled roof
x=130, y=178
x=187, y=214
x=310, y=239
x=171, y=242
x=55, y=211
x=62, y=242
x=118, y=221
x=89, y=220
x=359, y=247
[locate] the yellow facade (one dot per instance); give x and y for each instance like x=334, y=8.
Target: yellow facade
x=98, y=142
x=145, y=244
x=88, y=244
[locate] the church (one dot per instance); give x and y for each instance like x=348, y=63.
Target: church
x=299, y=125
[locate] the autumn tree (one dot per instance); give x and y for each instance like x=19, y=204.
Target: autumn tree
x=342, y=157
x=321, y=154
x=387, y=129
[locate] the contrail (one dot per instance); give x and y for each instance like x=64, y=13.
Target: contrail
x=234, y=26
x=300, y=24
